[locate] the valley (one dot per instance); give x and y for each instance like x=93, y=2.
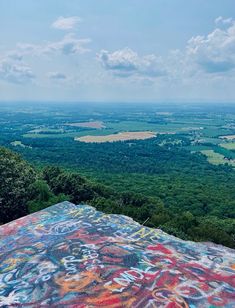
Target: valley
x=174, y=156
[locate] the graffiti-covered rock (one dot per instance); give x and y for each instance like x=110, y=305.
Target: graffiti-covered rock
x=75, y=256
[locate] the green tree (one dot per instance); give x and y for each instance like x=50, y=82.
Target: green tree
x=41, y=196
x=16, y=176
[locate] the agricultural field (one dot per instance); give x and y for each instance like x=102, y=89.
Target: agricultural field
x=94, y=124
x=194, y=129
x=216, y=158
x=228, y=145
x=117, y=137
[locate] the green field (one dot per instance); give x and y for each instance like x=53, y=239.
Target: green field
x=228, y=146
x=112, y=128
x=216, y=158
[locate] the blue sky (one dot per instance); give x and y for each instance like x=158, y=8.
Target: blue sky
x=125, y=50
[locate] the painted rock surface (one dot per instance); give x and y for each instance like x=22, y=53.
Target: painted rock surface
x=74, y=256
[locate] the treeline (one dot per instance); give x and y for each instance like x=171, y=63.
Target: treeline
x=24, y=190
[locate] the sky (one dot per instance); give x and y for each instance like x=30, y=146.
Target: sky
x=111, y=51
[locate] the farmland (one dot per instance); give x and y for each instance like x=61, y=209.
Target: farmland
x=228, y=145
x=213, y=158
x=94, y=124
x=216, y=158
x=117, y=137
x=194, y=129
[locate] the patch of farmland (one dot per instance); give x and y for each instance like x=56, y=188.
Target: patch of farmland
x=145, y=126
x=124, y=136
x=93, y=124
x=216, y=158
x=46, y=131
x=228, y=145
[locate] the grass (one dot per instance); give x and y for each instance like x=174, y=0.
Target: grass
x=72, y=134
x=216, y=158
x=228, y=146
x=211, y=140
x=93, y=124
x=142, y=126
x=197, y=148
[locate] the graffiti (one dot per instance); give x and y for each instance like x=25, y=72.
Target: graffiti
x=75, y=256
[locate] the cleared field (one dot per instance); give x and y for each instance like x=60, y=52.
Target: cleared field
x=229, y=137
x=94, y=124
x=213, y=158
x=117, y=137
x=145, y=126
x=216, y=158
x=228, y=146
x=46, y=131
x=210, y=140
x=71, y=134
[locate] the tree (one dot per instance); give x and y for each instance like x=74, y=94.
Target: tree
x=16, y=176
x=41, y=196
x=70, y=184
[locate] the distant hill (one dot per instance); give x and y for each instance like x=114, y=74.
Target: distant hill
x=75, y=256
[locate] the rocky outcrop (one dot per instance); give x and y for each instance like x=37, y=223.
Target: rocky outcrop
x=74, y=256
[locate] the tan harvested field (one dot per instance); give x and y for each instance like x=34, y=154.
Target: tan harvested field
x=117, y=137
x=94, y=124
x=228, y=137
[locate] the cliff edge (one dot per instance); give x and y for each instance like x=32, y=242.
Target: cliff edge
x=74, y=256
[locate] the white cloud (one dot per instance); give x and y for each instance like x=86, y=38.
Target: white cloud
x=214, y=53
x=66, y=23
x=15, y=71
x=220, y=20
x=70, y=44
x=126, y=62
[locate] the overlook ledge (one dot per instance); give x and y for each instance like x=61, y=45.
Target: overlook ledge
x=74, y=256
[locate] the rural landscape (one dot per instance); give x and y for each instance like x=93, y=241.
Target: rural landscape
x=209, y=130
x=174, y=164
x=117, y=154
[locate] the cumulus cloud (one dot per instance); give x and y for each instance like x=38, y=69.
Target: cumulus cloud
x=220, y=20
x=211, y=54
x=214, y=53
x=15, y=71
x=126, y=62
x=57, y=76
x=66, y=23
x=68, y=45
